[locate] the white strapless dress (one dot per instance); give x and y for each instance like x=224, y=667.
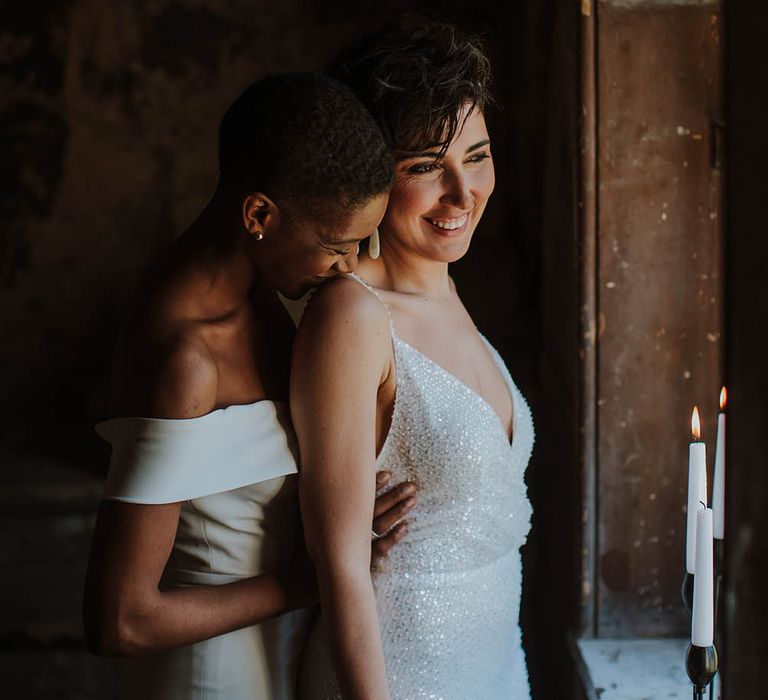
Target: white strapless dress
x=449, y=597
x=235, y=471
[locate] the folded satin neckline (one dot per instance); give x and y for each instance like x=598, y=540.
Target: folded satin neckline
x=166, y=460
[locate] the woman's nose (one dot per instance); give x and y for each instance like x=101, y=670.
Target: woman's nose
x=348, y=263
x=459, y=193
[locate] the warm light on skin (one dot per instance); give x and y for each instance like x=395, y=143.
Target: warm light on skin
x=437, y=201
x=696, y=423
x=298, y=256
x=723, y=398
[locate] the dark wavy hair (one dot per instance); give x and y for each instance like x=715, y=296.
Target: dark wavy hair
x=414, y=75
x=306, y=141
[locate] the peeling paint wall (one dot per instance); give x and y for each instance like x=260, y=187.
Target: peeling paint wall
x=660, y=297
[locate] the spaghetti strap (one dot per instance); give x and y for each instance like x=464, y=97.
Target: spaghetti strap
x=374, y=291
x=461, y=567
x=371, y=289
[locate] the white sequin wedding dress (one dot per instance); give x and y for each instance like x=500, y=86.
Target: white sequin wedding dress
x=449, y=598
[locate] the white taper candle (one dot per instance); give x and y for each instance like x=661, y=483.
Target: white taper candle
x=718, y=479
x=697, y=493
x=703, y=618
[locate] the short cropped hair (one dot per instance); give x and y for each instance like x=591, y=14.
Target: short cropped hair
x=414, y=75
x=307, y=142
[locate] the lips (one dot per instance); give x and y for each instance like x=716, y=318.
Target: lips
x=448, y=226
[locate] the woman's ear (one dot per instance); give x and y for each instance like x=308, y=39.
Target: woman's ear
x=259, y=214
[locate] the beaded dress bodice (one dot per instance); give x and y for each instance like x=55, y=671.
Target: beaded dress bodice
x=448, y=597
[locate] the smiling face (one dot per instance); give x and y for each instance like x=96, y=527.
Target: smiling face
x=296, y=255
x=437, y=200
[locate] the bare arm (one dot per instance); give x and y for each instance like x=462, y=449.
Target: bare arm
x=124, y=611
x=341, y=357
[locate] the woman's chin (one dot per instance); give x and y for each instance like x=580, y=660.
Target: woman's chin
x=450, y=250
x=449, y=253
x=448, y=245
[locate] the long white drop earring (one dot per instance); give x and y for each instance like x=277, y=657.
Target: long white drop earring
x=374, y=244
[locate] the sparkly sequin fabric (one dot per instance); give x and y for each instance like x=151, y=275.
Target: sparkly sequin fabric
x=449, y=597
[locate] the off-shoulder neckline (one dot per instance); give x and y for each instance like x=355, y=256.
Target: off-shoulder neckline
x=215, y=414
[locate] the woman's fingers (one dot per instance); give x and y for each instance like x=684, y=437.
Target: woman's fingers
x=387, y=520
x=393, y=499
x=388, y=511
x=382, y=479
x=380, y=547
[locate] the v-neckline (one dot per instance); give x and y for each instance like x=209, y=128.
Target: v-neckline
x=510, y=440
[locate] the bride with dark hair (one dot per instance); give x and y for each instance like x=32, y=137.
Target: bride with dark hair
x=390, y=372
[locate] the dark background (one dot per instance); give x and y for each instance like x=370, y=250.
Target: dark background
x=108, y=131
x=746, y=647
x=108, y=117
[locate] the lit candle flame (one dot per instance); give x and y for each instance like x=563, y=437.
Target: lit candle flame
x=696, y=423
x=723, y=398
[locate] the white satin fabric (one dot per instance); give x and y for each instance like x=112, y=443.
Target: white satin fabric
x=234, y=470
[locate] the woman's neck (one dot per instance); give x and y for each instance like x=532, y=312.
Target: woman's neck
x=406, y=273
x=215, y=261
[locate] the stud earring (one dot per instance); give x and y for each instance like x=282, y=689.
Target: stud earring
x=258, y=236
x=374, y=244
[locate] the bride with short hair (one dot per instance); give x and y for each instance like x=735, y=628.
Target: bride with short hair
x=390, y=372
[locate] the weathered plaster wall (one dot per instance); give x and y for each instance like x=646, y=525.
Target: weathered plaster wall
x=659, y=295
x=108, y=116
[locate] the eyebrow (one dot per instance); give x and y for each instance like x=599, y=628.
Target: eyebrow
x=436, y=154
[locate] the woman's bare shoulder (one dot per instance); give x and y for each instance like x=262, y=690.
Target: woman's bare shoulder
x=345, y=304
x=173, y=375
